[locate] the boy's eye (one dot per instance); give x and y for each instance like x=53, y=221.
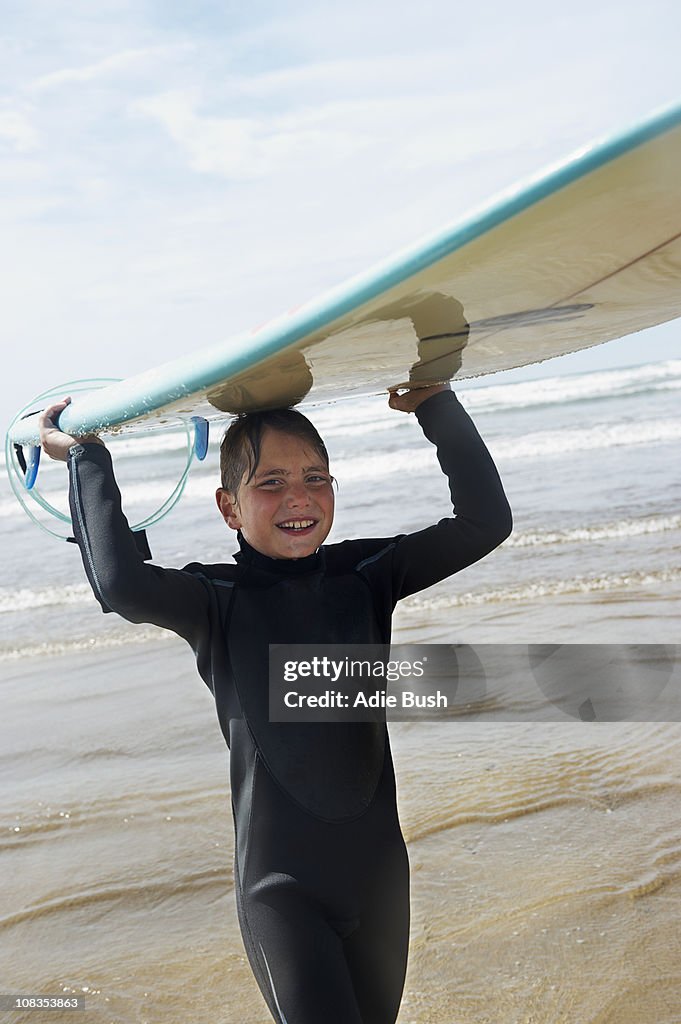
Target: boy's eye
x=316, y=480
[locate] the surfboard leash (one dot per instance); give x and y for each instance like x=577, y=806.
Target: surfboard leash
x=22, y=462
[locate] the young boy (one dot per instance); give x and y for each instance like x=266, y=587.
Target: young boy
x=321, y=870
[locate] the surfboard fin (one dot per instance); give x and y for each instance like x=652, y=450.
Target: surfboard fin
x=201, y=427
x=29, y=466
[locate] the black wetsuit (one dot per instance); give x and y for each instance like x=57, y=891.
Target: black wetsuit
x=321, y=869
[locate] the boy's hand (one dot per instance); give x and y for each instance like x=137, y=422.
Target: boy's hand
x=56, y=442
x=409, y=400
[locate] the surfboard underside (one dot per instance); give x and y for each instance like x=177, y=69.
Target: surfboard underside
x=583, y=255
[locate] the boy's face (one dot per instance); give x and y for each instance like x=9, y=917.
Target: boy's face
x=286, y=510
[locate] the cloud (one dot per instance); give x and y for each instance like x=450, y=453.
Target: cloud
x=351, y=113
x=171, y=176
x=246, y=147
x=16, y=129
x=110, y=65
x=337, y=135
x=347, y=76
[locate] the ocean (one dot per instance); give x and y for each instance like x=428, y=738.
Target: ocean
x=545, y=851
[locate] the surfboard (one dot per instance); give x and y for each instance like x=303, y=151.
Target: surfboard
x=587, y=251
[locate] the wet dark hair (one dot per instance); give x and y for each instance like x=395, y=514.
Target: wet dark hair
x=240, y=445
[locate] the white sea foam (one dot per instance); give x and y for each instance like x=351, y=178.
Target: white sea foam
x=357, y=417
x=548, y=443
x=574, y=388
x=419, y=459
x=155, y=443
x=534, y=590
x=50, y=648
x=27, y=599
x=354, y=418
x=535, y=445
x=606, y=531
x=537, y=590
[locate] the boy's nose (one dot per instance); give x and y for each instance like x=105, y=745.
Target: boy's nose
x=298, y=495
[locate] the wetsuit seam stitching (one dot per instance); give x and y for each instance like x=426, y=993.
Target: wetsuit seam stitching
x=306, y=810
x=271, y=981
x=248, y=937
x=83, y=529
x=374, y=597
x=225, y=622
x=247, y=844
x=241, y=880
x=375, y=558
x=212, y=579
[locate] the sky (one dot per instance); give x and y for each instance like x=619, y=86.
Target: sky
x=172, y=174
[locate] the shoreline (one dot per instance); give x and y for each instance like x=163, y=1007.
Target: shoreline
x=650, y=613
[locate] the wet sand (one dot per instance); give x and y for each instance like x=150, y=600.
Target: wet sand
x=546, y=857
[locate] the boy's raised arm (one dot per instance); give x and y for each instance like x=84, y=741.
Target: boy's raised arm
x=121, y=580
x=482, y=516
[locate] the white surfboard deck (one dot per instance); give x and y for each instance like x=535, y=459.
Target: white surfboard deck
x=584, y=253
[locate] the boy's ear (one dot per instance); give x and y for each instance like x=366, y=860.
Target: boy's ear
x=228, y=506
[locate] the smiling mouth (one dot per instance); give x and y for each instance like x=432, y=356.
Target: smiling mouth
x=298, y=526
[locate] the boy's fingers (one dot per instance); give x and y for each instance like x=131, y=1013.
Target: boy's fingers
x=54, y=441
x=410, y=399
x=401, y=401
x=49, y=414
x=58, y=407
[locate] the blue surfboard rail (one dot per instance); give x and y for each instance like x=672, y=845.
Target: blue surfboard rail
x=144, y=393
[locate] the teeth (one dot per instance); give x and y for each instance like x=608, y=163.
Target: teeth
x=297, y=524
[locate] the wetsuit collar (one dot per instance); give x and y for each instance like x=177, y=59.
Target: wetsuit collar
x=283, y=566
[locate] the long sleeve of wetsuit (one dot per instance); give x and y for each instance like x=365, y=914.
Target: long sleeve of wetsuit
x=121, y=580
x=482, y=516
